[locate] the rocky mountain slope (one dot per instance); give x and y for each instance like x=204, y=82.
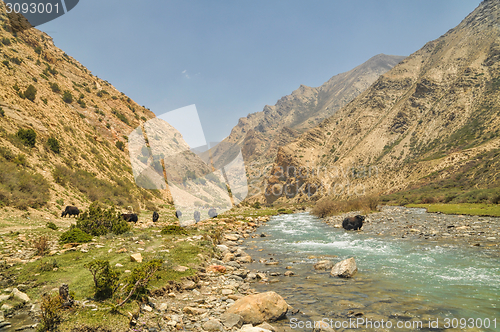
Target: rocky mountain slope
x=430, y=120
x=63, y=131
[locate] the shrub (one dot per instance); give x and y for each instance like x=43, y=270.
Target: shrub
x=173, y=230
x=51, y=225
x=67, y=97
x=6, y=41
x=105, y=278
x=120, y=145
x=137, y=282
x=55, y=87
x=97, y=221
x=50, y=312
x=16, y=60
x=38, y=50
x=256, y=205
x=121, y=116
x=47, y=266
x=41, y=245
x=74, y=235
x=53, y=144
x=27, y=137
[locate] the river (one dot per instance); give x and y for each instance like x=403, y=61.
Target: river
x=397, y=280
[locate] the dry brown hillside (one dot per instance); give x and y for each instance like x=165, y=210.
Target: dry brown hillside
x=259, y=135
x=433, y=120
x=81, y=122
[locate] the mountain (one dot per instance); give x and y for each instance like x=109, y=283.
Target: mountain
x=63, y=131
x=259, y=135
x=432, y=120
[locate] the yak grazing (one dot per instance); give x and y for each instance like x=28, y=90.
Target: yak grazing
x=130, y=217
x=71, y=211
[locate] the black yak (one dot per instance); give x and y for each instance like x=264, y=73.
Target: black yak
x=156, y=216
x=130, y=217
x=197, y=216
x=178, y=214
x=353, y=223
x=212, y=213
x=71, y=211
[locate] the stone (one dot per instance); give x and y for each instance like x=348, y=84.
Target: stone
x=216, y=268
x=212, y=325
x=147, y=308
x=226, y=291
x=344, y=269
x=188, y=285
x=228, y=257
x=267, y=326
x=4, y=297
x=122, y=250
x=163, y=306
x=289, y=273
x=118, y=265
x=194, y=311
x=323, y=265
x=231, y=237
x=231, y=320
x=136, y=258
x=245, y=259
x=5, y=307
x=250, y=328
x=180, y=268
x=258, y=308
x=16, y=293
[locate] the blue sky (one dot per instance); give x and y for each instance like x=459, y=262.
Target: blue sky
x=231, y=58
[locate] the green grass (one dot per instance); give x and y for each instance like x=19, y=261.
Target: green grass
x=464, y=208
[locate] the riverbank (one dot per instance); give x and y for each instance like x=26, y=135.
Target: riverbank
x=442, y=229
x=203, y=274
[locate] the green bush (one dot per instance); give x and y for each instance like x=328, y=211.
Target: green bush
x=97, y=221
x=173, y=230
x=2, y=112
x=256, y=205
x=51, y=225
x=30, y=93
x=137, y=282
x=27, y=137
x=120, y=145
x=67, y=97
x=50, y=312
x=38, y=50
x=55, y=87
x=6, y=41
x=74, y=235
x=53, y=144
x=105, y=278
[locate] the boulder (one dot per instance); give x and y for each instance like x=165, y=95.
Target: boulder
x=136, y=258
x=17, y=294
x=232, y=237
x=250, y=328
x=188, y=285
x=344, y=269
x=216, y=268
x=228, y=257
x=212, y=325
x=323, y=265
x=258, y=308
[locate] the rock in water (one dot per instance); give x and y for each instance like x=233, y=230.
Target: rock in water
x=258, y=308
x=323, y=265
x=344, y=269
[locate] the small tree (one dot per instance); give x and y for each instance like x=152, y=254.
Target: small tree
x=105, y=278
x=50, y=312
x=136, y=284
x=120, y=145
x=27, y=136
x=54, y=87
x=67, y=97
x=53, y=144
x=30, y=93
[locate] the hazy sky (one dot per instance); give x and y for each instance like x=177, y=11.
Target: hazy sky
x=231, y=58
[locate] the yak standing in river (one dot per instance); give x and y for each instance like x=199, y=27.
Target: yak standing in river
x=155, y=216
x=130, y=217
x=71, y=211
x=353, y=223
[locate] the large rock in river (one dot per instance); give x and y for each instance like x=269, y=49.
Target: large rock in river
x=323, y=265
x=344, y=269
x=258, y=308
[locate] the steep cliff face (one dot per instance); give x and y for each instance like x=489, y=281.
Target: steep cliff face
x=437, y=109
x=81, y=122
x=261, y=134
